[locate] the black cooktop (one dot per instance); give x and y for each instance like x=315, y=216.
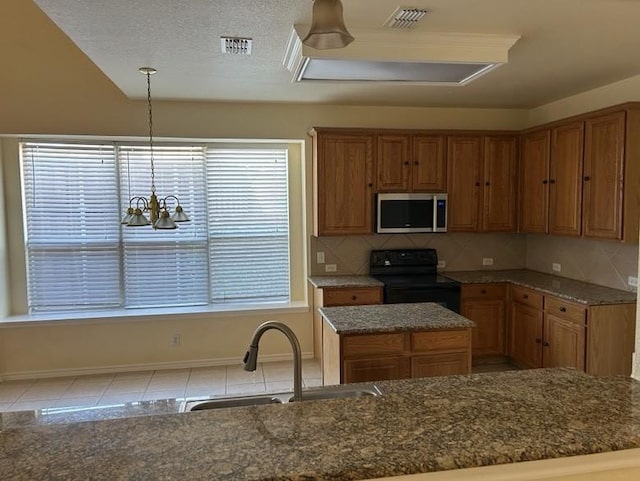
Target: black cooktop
x=410, y=268
x=416, y=281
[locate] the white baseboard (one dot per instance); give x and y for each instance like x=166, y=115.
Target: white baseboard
x=156, y=366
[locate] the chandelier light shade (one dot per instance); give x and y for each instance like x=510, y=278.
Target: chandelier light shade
x=157, y=209
x=327, y=26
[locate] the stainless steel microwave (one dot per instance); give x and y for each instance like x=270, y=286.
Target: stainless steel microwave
x=411, y=212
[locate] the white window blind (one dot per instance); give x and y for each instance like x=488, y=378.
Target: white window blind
x=247, y=198
x=235, y=250
x=165, y=268
x=70, y=194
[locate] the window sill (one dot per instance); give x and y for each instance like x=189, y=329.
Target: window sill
x=149, y=314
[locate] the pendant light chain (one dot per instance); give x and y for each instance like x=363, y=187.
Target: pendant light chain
x=153, y=173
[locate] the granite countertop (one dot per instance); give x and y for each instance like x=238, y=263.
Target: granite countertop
x=323, y=282
x=416, y=426
x=392, y=318
x=572, y=290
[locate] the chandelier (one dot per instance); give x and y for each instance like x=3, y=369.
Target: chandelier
x=157, y=209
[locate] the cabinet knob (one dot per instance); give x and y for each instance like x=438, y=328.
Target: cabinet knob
x=545, y=344
x=563, y=309
x=406, y=162
x=487, y=183
x=587, y=178
x=370, y=184
x=538, y=340
x=552, y=181
x=416, y=163
x=477, y=184
x=525, y=296
x=545, y=181
x=353, y=298
x=483, y=291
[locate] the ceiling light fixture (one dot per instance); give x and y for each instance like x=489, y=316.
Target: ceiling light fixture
x=327, y=26
x=157, y=209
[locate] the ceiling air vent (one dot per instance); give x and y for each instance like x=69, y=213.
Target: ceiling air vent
x=405, y=17
x=236, y=45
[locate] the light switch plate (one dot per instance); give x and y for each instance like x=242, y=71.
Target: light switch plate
x=330, y=268
x=556, y=267
x=320, y=257
x=487, y=261
x=442, y=263
x=633, y=281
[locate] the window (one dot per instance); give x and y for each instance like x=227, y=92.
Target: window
x=234, y=251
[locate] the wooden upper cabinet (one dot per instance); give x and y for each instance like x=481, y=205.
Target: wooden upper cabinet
x=393, y=167
x=429, y=170
x=464, y=162
x=534, y=182
x=410, y=163
x=565, y=179
x=499, y=200
x=343, y=196
x=603, y=176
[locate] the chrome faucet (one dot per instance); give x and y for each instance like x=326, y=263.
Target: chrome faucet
x=250, y=359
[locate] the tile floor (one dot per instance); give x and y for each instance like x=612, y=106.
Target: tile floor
x=109, y=389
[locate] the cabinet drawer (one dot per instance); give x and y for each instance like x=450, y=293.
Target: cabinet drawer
x=483, y=291
x=527, y=297
x=565, y=309
x=352, y=296
x=440, y=340
x=374, y=344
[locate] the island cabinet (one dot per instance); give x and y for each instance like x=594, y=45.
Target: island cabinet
x=410, y=163
x=547, y=331
x=399, y=355
x=486, y=305
x=343, y=170
x=482, y=172
x=339, y=296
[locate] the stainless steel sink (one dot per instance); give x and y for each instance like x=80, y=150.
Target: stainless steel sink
x=315, y=394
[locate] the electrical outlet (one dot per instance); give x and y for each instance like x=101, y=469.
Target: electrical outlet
x=633, y=281
x=556, y=267
x=175, y=340
x=487, y=261
x=442, y=264
x=330, y=268
x=320, y=257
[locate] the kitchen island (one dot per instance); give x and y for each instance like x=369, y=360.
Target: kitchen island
x=416, y=426
x=393, y=341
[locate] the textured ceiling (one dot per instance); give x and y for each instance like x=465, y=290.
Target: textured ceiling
x=566, y=47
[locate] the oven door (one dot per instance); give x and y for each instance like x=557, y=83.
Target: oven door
x=448, y=297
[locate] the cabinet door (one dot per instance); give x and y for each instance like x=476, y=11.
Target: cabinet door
x=440, y=364
x=344, y=183
x=526, y=336
x=534, y=182
x=464, y=159
x=393, y=167
x=565, y=179
x=429, y=172
x=380, y=369
x=488, y=333
x=603, y=176
x=499, y=190
x=564, y=343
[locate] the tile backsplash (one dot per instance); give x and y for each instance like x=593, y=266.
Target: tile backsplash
x=350, y=254
x=598, y=262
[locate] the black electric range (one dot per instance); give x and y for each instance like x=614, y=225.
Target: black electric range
x=411, y=275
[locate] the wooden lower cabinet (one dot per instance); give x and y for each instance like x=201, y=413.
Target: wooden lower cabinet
x=485, y=304
x=376, y=357
x=547, y=331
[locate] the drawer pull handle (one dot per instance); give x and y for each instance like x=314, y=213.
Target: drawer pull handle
x=353, y=298
x=525, y=296
x=483, y=291
x=563, y=309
